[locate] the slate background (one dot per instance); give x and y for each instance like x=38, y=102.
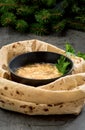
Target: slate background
x=15, y=121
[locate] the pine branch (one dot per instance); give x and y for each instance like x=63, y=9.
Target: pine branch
x=43, y=16
x=25, y=11
x=76, y=25
x=49, y=3
x=38, y=29
x=59, y=27
x=8, y=19
x=21, y=26
x=56, y=15
x=7, y=5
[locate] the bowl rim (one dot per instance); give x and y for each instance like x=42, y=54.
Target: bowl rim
x=11, y=71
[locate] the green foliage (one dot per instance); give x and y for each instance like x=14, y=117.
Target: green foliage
x=80, y=18
x=82, y=55
x=56, y=15
x=49, y=3
x=64, y=4
x=7, y=5
x=8, y=19
x=24, y=11
x=38, y=29
x=74, y=24
x=21, y=26
x=62, y=65
x=69, y=48
x=71, y=51
x=75, y=8
x=43, y=16
x=59, y=26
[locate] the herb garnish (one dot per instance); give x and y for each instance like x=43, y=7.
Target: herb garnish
x=62, y=64
x=71, y=51
x=69, y=48
x=80, y=54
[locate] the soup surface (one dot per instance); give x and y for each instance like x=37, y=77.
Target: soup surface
x=39, y=71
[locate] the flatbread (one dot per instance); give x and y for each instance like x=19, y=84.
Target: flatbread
x=31, y=94
x=9, y=51
x=5, y=74
x=41, y=109
x=63, y=96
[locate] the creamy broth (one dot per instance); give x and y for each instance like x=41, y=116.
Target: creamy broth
x=39, y=71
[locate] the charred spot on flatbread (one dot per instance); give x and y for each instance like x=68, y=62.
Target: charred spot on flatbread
x=2, y=101
x=11, y=94
x=83, y=78
x=58, y=104
x=31, y=108
x=15, y=45
x=23, y=106
x=49, y=105
x=2, y=94
x=61, y=106
x=6, y=88
x=11, y=103
x=46, y=109
x=19, y=92
x=4, y=67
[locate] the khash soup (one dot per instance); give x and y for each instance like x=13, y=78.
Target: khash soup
x=39, y=71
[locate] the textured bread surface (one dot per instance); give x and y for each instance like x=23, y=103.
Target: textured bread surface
x=63, y=96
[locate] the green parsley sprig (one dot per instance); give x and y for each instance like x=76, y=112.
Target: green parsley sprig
x=62, y=64
x=69, y=48
x=80, y=54
x=71, y=51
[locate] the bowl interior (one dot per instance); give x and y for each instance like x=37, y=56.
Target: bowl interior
x=35, y=57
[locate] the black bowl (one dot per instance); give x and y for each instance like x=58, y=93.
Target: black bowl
x=35, y=57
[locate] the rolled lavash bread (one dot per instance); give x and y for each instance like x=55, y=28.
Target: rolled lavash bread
x=30, y=108
x=5, y=74
x=79, y=64
x=26, y=93
x=9, y=51
x=57, y=92
x=69, y=82
x=9, y=100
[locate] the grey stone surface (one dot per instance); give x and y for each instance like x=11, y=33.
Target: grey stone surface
x=15, y=121
x=76, y=38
